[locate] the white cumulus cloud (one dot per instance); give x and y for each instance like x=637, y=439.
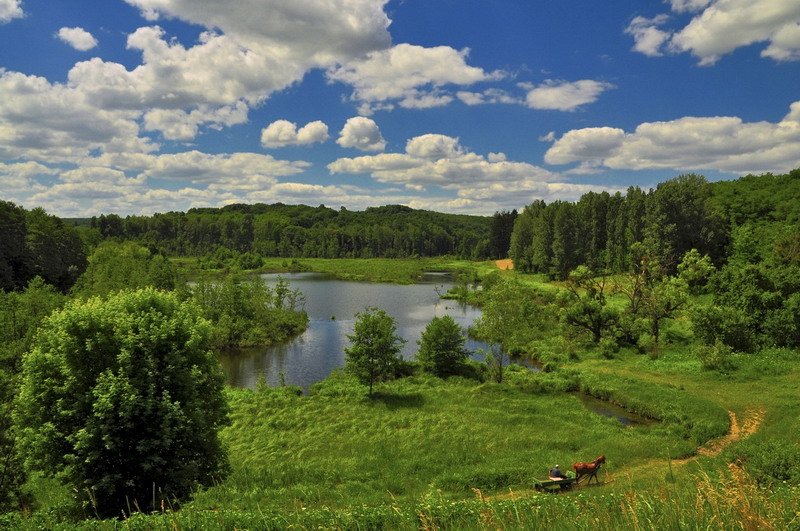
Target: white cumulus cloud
x=648, y=38
x=78, y=38
x=361, y=133
x=440, y=160
x=306, y=33
x=564, y=95
x=413, y=76
x=721, y=143
x=9, y=10
x=719, y=27
x=281, y=133
x=60, y=123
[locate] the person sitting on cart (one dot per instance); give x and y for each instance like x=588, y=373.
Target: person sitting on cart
x=556, y=474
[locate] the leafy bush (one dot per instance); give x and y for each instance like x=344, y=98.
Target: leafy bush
x=441, y=347
x=133, y=417
x=716, y=357
x=726, y=324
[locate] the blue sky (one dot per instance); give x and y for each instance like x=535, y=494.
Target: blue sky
x=465, y=106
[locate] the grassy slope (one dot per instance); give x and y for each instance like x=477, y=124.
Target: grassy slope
x=413, y=455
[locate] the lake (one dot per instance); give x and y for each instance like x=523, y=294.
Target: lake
x=331, y=305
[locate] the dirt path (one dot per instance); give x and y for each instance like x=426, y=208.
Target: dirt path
x=740, y=429
x=742, y=426
x=504, y=264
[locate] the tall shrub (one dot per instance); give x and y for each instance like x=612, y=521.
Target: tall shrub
x=121, y=400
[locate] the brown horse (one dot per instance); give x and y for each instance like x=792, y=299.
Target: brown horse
x=588, y=469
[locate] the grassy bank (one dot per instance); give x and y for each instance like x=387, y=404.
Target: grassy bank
x=395, y=270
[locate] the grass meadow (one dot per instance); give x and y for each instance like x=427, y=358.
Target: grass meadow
x=425, y=453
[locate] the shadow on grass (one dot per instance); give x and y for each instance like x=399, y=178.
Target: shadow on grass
x=399, y=400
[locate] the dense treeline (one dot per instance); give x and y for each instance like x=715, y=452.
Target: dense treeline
x=600, y=230
x=737, y=241
x=681, y=214
x=34, y=243
x=296, y=231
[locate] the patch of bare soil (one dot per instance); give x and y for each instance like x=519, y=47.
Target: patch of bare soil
x=504, y=264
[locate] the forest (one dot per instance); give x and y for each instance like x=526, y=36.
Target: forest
x=680, y=304
x=294, y=231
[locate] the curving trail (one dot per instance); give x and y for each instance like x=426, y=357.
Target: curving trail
x=740, y=429
x=742, y=426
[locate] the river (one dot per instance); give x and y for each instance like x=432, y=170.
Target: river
x=331, y=305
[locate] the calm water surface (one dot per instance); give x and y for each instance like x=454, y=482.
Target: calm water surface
x=331, y=305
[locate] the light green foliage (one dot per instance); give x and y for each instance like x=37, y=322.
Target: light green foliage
x=651, y=293
x=374, y=347
x=695, y=271
x=20, y=316
x=770, y=462
x=245, y=311
x=115, y=266
x=122, y=400
x=512, y=318
x=695, y=417
x=441, y=347
x=716, y=357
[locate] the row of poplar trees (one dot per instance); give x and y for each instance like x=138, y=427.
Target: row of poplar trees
x=601, y=229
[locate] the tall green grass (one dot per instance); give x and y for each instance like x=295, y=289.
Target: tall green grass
x=695, y=418
x=417, y=436
x=709, y=500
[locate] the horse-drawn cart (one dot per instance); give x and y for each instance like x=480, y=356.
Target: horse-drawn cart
x=555, y=484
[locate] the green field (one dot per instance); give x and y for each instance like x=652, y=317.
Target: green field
x=426, y=452
x=719, y=450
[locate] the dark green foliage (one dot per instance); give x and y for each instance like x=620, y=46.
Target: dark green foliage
x=374, y=347
x=762, y=302
x=441, y=347
x=122, y=400
x=391, y=231
x=500, y=233
x=730, y=326
x=599, y=230
x=34, y=243
x=15, y=261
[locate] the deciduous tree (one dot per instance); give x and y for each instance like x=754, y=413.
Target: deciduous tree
x=122, y=400
x=374, y=347
x=441, y=347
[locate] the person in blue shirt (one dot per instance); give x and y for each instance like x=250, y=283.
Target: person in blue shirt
x=556, y=473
